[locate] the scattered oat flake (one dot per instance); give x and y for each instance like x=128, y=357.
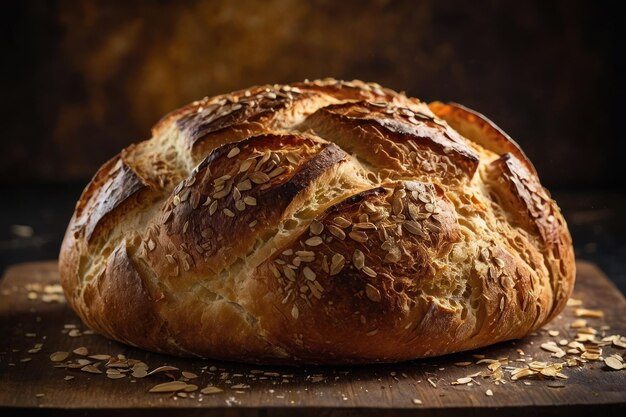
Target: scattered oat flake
x=82, y=351
x=191, y=388
x=59, y=356
x=553, y=333
x=417, y=401
x=489, y=393
x=619, y=341
x=593, y=314
x=100, y=357
x=49, y=298
x=68, y=377
x=462, y=363
x=522, y=373
x=172, y=386
x=189, y=375
x=39, y=395
x=211, y=390
x=162, y=369
x=494, y=366
x=91, y=369
x=613, y=363
x=548, y=371
x=140, y=373
x=573, y=302
x=462, y=381
x=550, y=347
x=592, y=356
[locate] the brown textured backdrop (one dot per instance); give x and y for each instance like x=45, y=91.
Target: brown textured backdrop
x=80, y=80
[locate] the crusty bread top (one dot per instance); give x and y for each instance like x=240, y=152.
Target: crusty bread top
x=323, y=221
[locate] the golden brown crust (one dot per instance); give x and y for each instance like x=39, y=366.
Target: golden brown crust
x=318, y=222
x=386, y=134
x=477, y=128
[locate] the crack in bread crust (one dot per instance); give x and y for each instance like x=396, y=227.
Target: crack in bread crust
x=319, y=222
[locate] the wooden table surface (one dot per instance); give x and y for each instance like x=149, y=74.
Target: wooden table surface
x=34, y=317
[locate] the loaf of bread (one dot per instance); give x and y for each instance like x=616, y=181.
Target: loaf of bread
x=324, y=222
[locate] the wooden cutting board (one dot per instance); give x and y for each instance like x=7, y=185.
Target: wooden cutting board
x=31, y=314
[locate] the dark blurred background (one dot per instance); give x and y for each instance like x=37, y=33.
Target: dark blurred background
x=82, y=79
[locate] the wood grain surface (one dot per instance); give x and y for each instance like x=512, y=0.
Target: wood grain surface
x=30, y=314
